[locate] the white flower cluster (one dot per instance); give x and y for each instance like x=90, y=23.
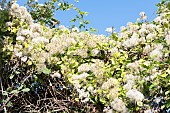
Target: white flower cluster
x=119, y=106
x=97, y=68
x=133, y=41
x=21, y=13
x=84, y=68
x=80, y=77
x=134, y=94
x=135, y=66
x=113, y=86
x=143, y=16
x=83, y=94
x=56, y=74
x=130, y=81
x=156, y=54
x=167, y=38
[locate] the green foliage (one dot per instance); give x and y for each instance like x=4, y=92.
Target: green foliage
x=44, y=13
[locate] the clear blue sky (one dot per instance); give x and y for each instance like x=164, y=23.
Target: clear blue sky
x=107, y=13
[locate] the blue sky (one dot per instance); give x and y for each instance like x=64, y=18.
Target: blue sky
x=108, y=13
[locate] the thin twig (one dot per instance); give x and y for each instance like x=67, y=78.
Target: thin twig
x=5, y=110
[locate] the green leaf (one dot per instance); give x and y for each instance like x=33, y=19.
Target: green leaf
x=15, y=91
x=25, y=45
x=167, y=92
x=17, y=72
x=11, y=76
x=169, y=5
x=87, y=22
x=162, y=107
x=77, y=99
x=20, y=87
x=29, y=62
x=164, y=75
x=140, y=103
x=73, y=20
x=55, y=0
x=9, y=104
x=103, y=101
x=5, y=93
x=168, y=103
x=47, y=71
x=26, y=90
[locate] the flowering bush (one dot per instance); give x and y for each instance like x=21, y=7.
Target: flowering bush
x=126, y=72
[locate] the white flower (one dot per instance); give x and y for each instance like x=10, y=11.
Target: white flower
x=119, y=105
x=158, y=19
x=40, y=40
x=23, y=10
x=56, y=74
x=143, y=15
x=92, y=43
x=18, y=54
x=154, y=75
x=109, y=83
x=109, y=30
x=36, y=28
x=84, y=68
x=129, y=24
x=114, y=50
x=76, y=84
x=143, y=31
x=83, y=95
x=107, y=110
x=8, y=24
x=62, y=27
x=168, y=71
x=81, y=76
x=159, y=46
x=151, y=36
x=151, y=27
x=75, y=29
x=24, y=59
x=122, y=28
x=167, y=38
x=148, y=111
x=82, y=52
x=133, y=41
x=147, y=49
x=130, y=76
x=138, y=19
x=20, y=38
x=134, y=94
x=146, y=63
x=133, y=66
x=156, y=54
x=134, y=29
x=90, y=88
x=129, y=85
x=95, y=52
x=145, y=18
x=14, y=6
